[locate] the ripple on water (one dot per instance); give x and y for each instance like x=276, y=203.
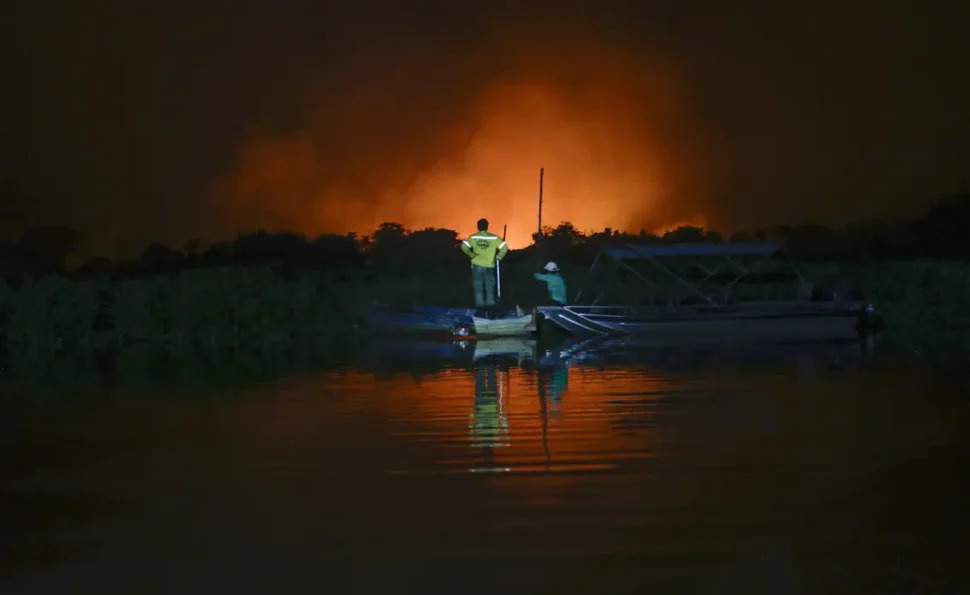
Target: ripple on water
x=646, y=471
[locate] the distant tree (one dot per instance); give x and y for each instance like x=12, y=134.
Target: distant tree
x=158, y=259
x=566, y=232
x=433, y=248
x=881, y=238
x=389, y=233
x=942, y=232
x=335, y=251
x=193, y=253
x=94, y=266
x=685, y=233
x=563, y=242
x=193, y=247
x=270, y=248
x=217, y=255
x=599, y=239
x=45, y=250
x=386, y=249
x=813, y=242
x=13, y=206
x=10, y=262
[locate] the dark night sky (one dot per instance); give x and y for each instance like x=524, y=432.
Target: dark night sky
x=136, y=121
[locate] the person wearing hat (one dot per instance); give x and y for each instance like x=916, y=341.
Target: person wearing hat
x=484, y=249
x=555, y=284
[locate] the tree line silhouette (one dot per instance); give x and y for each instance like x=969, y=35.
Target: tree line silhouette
x=272, y=290
x=392, y=250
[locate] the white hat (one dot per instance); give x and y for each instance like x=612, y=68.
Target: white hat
x=551, y=266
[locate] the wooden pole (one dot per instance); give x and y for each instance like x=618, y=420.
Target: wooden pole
x=541, y=172
x=539, y=236
x=498, y=266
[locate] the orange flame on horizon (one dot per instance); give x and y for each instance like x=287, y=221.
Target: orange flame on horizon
x=600, y=171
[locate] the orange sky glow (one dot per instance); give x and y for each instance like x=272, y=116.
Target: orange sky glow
x=615, y=148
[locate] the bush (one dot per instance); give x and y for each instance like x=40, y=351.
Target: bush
x=235, y=307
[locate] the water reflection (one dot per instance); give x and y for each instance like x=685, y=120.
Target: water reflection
x=489, y=423
x=552, y=383
x=606, y=463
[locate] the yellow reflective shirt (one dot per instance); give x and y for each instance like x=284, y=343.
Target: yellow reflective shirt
x=483, y=248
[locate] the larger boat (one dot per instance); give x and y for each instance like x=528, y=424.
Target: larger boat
x=692, y=293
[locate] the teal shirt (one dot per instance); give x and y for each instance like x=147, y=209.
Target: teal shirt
x=555, y=284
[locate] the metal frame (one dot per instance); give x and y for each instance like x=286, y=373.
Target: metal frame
x=653, y=254
x=799, y=315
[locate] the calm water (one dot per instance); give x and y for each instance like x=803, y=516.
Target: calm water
x=415, y=466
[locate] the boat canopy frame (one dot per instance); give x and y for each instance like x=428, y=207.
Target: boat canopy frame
x=730, y=254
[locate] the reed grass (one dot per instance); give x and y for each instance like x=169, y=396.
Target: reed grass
x=234, y=307
x=926, y=304
x=210, y=307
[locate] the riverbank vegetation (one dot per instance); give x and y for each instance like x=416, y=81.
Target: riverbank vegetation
x=278, y=289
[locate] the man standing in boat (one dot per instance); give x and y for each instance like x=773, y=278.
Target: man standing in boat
x=484, y=249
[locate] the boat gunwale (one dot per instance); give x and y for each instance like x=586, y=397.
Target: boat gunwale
x=574, y=320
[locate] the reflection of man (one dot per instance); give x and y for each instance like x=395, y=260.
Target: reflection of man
x=489, y=424
x=552, y=384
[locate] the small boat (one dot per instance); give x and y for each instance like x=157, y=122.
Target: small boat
x=459, y=322
x=713, y=317
x=395, y=351
x=517, y=347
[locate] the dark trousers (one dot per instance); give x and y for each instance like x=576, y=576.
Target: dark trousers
x=483, y=280
x=545, y=300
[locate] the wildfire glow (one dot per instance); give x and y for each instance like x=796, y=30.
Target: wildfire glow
x=696, y=221
x=606, y=165
x=524, y=434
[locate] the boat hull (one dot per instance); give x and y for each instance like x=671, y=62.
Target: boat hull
x=396, y=351
x=724, y=325
x=446, y=320
x=504, y=327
